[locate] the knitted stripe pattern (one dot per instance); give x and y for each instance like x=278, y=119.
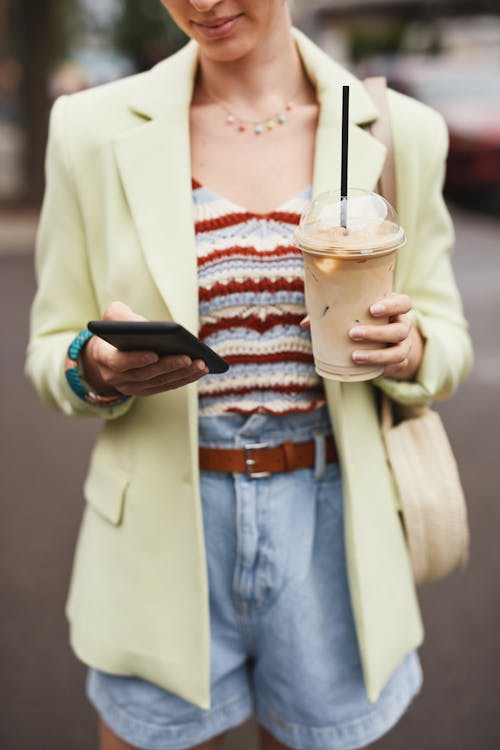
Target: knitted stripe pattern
x=251, y=298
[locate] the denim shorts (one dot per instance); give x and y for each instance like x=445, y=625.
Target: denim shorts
x=283, y=644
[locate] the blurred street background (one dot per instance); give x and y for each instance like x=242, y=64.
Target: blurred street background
x=444, y=52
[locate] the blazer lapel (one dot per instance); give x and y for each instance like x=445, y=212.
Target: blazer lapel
x=366, y=154
x=154, y=163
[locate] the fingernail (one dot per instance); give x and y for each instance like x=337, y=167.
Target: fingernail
x=360, y=357
x=199, y=367
x=357, y=333
x=150, y=359
x=377, y=309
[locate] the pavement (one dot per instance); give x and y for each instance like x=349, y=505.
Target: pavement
x=43, y=459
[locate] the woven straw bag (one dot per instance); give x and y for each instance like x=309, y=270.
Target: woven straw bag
x=432, y=501
x=431, y=496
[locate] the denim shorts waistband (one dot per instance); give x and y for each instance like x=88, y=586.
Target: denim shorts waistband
x=236, y=430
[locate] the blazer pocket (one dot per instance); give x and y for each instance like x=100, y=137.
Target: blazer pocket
x=105, y=489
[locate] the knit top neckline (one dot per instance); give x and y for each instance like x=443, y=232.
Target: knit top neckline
x=278, y=210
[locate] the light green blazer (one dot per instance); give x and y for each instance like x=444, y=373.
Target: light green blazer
x=117, y=224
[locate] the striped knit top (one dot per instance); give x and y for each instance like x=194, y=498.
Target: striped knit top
x=251, y=298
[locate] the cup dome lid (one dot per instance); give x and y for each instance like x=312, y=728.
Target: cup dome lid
x=372, y=224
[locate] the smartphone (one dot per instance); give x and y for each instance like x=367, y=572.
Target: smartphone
x=159, y=337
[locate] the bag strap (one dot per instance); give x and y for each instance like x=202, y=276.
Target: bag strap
x=382, y=131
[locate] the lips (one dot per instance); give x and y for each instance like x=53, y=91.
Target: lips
x=217, y=27
x=216, y=22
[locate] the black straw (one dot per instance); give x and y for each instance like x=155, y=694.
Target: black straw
x=345, y=152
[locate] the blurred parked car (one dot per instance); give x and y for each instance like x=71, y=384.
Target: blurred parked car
x=467, y=93
x=468, y=96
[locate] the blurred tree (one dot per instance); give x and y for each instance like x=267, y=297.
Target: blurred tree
x=375, y=35
x=146, y=33
x=39, y=34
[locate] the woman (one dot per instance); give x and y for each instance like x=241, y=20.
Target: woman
x=201, y=596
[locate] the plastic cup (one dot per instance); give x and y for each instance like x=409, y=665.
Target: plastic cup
x=345, y=272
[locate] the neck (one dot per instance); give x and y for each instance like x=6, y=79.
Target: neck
x=269, y=76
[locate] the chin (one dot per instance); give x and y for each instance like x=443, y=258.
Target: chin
x=230, y=48
x=227, y=51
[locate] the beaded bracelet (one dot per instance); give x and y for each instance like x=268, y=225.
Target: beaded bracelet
x=77, y=383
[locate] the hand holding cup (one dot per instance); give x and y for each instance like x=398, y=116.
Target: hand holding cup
x=401, y=345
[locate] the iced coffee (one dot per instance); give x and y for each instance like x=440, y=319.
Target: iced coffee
x=346, y=270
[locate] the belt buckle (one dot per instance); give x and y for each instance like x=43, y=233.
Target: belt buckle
x=249, y=461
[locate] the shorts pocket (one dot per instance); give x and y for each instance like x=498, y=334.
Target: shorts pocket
x=105, y=489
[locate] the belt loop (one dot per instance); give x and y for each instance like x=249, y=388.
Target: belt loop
x=319, y=456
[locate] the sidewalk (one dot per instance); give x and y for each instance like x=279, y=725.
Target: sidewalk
x=18, y=231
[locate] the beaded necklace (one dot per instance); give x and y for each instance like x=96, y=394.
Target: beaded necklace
x=258, y=126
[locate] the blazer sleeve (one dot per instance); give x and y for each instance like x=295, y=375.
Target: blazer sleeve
x=429, y=280
x=65, y=300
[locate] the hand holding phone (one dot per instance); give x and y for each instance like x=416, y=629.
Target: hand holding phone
x=160, y=337
x=135, y=371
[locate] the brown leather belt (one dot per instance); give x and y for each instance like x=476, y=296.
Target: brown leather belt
x=259, y=460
